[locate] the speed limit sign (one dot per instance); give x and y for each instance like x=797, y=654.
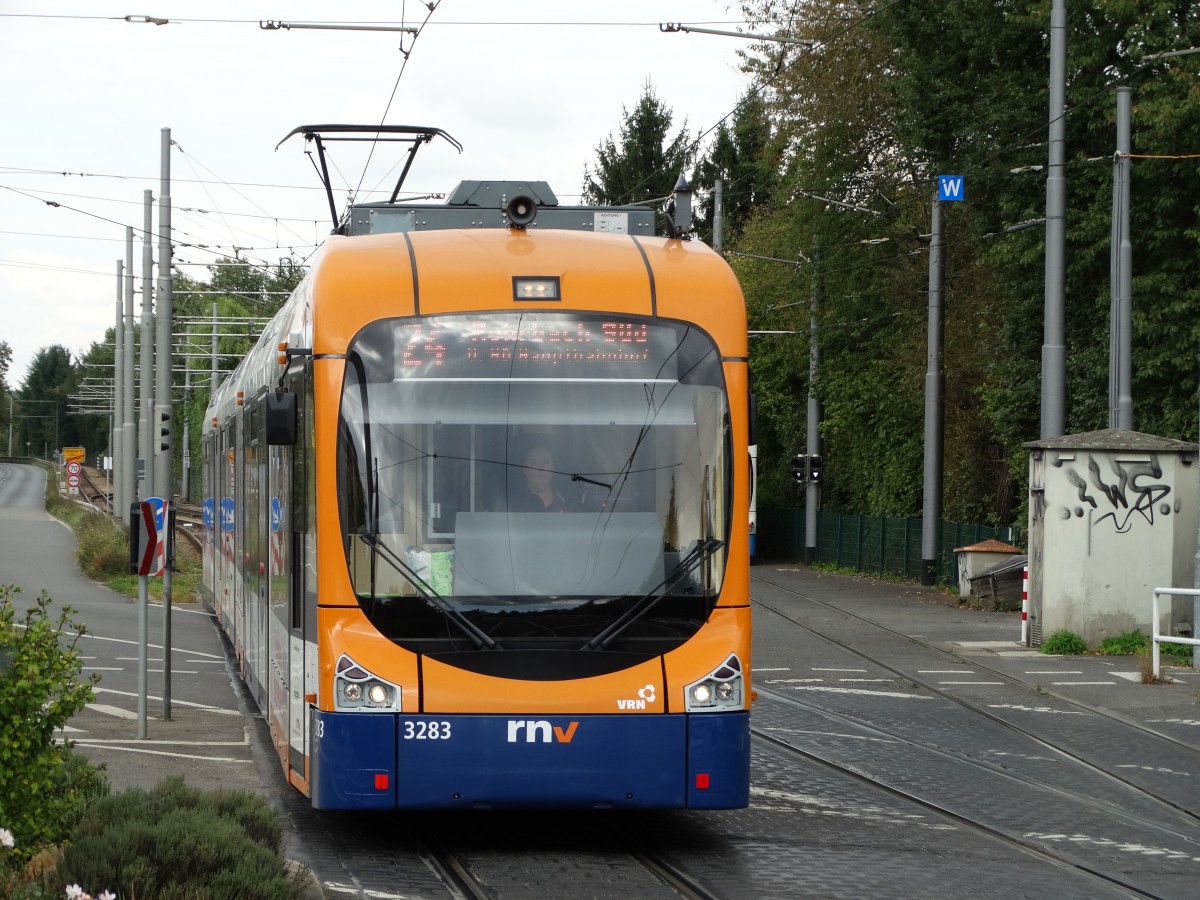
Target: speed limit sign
x=73, y=469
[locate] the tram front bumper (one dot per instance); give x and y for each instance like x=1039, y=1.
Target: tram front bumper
x=386, y=761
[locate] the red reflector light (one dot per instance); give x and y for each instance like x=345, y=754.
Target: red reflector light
x=702, y=781
x=381, y=781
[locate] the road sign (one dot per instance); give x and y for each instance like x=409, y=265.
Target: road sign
x=73, y=482
x=74, y=468
x=951, y=188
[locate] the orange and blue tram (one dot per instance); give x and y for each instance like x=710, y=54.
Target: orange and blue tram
x=476, y=510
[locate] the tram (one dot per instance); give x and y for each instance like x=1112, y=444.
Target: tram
x=475, y=511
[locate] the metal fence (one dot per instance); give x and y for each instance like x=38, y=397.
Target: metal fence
x=872, y=544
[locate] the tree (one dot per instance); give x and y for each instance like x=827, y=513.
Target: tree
x=5, y=390
x=744, y=156
x=646, y=164
x=43, y=400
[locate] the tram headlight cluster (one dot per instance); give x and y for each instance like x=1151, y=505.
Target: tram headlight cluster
x=357, y=690
x=719, y=691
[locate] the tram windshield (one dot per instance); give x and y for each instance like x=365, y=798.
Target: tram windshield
x=535, y=477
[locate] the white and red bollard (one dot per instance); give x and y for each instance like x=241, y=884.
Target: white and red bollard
x=1025, y=605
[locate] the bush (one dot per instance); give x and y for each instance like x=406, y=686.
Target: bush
x=102, y=547
x=1123, y=644
x=44, y=788
x=177, y=843
x=1064, y=643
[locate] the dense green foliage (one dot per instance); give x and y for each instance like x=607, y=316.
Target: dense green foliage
x=175, y=842
x=44, y=788
x=1064, y=643
x=863, y=123
x=102, y=546
x=1123, y=644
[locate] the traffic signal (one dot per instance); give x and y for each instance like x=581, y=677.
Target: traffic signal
x=799, y=468
x=814, y=469
x=164, y=430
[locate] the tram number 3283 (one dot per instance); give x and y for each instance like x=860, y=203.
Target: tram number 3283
x=426, y=731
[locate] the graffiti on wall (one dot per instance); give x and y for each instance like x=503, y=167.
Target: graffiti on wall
x=1126, y=493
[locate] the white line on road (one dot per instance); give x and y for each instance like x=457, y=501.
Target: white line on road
x=778, y=669
x=970, y=682
x=112, y=710
x=1052, y=672
x=1069, y=683
x=203, y=706
x=96, y=746
x=841, y=690
x=819, y=669
x=945, y=671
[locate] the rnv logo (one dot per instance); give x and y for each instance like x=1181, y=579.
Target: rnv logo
x=540, y=730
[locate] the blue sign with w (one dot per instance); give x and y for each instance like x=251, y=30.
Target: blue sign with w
x=950, y=187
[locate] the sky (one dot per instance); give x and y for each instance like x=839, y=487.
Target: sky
x=530, y=89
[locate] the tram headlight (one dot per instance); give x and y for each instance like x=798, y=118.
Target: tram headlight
x=719, y=691
x=357, y=690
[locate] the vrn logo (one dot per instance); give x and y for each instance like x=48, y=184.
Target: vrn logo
x=645, y=695
x=540, y=730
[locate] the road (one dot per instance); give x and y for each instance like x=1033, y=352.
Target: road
x=208, y=738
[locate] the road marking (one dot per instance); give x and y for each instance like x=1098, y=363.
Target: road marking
x=142, y=741
x=1070, y=683
x=822, y=806
x=84, y=742
x=1160, y=769
x=338, y=888
x=945, y=671
x=867, y=680
x=794, y=680
x=1040, y=709
x=1122, y=846
x=841, y=690
x=103, y=669
x=96, y=637
x=835, y=734
x=1052, y=672
x=204, y=706
x=1175, y=721
x=819, y=669
x=112, y=710
x=779, y=669
x=970, y=682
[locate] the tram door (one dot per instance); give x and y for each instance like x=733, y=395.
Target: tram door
x=297, y=493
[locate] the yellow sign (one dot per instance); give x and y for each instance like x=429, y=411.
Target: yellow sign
x=73, y=454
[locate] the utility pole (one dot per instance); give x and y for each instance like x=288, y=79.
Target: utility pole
x=163, y=411
x=128, y=427
x=812, y=485
x=1120, y=380
x=146, y=421
x=120, y=502
x=1054, y=351
x=935, y=383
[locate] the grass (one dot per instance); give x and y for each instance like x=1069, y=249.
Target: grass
x=103, y=549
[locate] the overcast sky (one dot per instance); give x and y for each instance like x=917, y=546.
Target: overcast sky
x=530, y=89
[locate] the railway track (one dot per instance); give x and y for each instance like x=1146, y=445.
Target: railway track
x=964, y=739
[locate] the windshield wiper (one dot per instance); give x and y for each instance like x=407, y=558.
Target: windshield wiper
x=478, y=637
x=697, y=555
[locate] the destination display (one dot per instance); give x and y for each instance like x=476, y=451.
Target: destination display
x=552, y=345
